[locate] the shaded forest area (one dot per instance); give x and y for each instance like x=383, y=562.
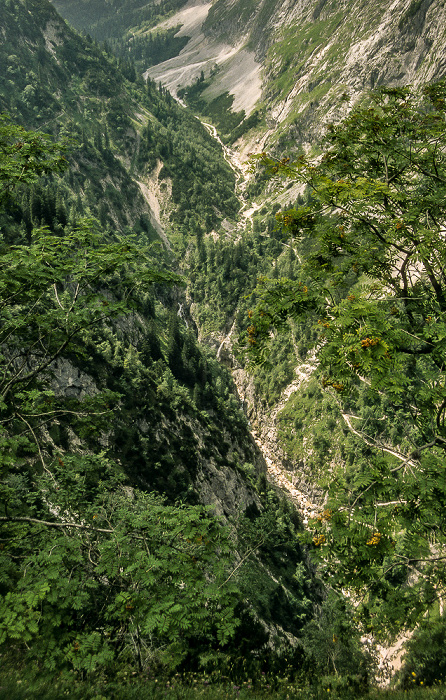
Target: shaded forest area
x=142, y=549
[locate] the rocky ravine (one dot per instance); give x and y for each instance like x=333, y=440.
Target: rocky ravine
x=238, y=74
x=281, y=473
x=288, y=477
x=298, y=60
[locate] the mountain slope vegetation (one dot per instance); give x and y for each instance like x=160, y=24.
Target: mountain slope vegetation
x=119, y=128
x=140, y=539
x=138, y=531
x=311, y=55
x=107, y=19
x=371, y=286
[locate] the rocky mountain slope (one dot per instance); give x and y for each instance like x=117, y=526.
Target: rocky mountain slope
x=122, y=132
x=266, y=75
x=143, y=166
x=297, y=62
x=300, y=66
x=307, y=56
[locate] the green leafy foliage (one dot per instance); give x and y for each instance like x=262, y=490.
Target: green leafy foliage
x=84, y=578
x=49, y=301
x=24, y=156
x=371, y=285
x=100, y=574
x=424, y=660
x=117, y=573
x=332, y=643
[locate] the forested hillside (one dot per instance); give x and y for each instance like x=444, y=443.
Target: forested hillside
x=290, y=65
x=119, y=128
x=370, y=420
x=118, y=431
x=175, y=332
x=112, y=18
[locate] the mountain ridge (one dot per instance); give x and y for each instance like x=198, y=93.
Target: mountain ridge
x=312, y=53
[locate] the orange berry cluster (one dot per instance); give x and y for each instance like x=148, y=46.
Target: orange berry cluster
x=369, y=342
x=375, y=539
x=251, y=335
x=318, y=540
x=325, y=515
x=338, y=386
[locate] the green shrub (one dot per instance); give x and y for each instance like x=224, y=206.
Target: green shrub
x=425, y=660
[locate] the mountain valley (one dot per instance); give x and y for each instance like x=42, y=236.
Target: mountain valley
x=222, y=379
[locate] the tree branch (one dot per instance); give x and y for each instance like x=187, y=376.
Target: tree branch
x=48, y=523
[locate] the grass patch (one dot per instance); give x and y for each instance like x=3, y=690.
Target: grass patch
x=199, y=688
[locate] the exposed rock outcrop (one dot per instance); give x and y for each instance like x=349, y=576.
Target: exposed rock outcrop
x=304, y=57
x=289, y=477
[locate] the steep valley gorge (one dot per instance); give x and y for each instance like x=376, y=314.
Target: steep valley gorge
x=222, y=341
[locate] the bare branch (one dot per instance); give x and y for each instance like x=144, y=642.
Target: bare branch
x=48, y=523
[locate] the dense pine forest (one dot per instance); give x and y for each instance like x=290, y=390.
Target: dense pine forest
x=150, y=322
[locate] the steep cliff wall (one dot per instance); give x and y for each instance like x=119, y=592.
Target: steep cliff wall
x=299, y=60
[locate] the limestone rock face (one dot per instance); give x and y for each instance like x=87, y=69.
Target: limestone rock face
x=69, y=381
x=292, y=478
x=303, y=57
x=217, y=482
x=225, y=490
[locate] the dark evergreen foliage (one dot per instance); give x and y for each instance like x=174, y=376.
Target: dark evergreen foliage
x=97, y=465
